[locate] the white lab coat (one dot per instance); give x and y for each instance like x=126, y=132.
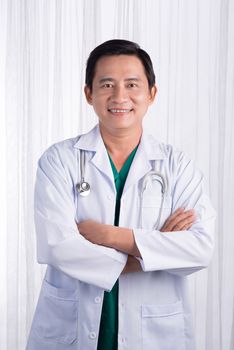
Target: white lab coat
x=153, y=306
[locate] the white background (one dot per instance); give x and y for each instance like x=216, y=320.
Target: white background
x=44, y=45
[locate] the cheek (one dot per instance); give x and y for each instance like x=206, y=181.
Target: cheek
x=98, y=103
x=142, y=99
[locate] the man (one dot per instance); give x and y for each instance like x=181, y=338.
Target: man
x=121, y=219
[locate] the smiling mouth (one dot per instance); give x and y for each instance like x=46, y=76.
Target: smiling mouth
x=119, y=110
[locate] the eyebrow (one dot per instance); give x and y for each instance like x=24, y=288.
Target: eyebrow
x=103, y=80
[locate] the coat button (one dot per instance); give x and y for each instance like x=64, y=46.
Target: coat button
x=110, y=197
x=121, y=339
x=97, y=300
x=92, y=335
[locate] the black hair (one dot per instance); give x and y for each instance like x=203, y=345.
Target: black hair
x=118, y=47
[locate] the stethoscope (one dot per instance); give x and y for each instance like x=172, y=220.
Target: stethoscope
x=155, y=176
x=83, y=187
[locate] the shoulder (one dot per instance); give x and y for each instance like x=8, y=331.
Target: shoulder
x=175, y=161
x=68, y=148
x=60, y=150
x=166, y=151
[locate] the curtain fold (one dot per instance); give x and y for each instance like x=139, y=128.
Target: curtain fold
x=44, y=46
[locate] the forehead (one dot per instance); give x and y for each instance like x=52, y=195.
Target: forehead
x=119, y=65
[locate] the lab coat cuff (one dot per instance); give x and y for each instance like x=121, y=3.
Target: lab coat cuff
x=140, y=239
x=101, y=267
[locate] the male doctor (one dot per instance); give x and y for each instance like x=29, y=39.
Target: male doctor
x=121, y=220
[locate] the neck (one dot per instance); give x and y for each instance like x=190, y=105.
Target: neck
x=120, y=144
x=121, y=141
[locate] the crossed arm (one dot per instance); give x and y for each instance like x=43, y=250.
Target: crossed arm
x=122, y=239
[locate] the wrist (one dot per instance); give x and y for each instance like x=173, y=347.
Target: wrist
x=113, y=236
x=123, y=239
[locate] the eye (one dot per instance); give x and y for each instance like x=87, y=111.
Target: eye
x=107, y=85
x=132, y=85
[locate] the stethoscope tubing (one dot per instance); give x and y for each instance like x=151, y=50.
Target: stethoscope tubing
x=83, y=187
x=160, y=178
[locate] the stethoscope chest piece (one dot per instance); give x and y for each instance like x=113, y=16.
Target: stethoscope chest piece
x=83, y=188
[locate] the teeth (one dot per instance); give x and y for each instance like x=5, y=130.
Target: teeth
x=120, y=110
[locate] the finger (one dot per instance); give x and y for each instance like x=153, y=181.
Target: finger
x=190, y=223
x=174, y=220
x=170, y=220
x=172, y=217
x=186, y=227
x=170, y=225
x=186, y=222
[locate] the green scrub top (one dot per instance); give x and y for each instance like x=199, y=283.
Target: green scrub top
x=108, y=333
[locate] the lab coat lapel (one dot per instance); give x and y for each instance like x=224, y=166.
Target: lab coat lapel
x=92, y=141
x=101, y=161
x=148, y=152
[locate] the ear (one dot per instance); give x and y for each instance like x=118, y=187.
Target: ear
x=88, y=95
x=152, y=94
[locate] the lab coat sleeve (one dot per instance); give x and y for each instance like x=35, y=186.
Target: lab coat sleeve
x=58, y=241
x=181, y=252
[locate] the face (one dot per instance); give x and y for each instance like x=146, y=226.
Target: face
x=120, y=93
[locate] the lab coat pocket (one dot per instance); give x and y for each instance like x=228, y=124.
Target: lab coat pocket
x=163, y=327
x=151, y=210
x=56, y=315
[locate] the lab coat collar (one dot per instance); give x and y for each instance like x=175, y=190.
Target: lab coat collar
x=149, y=149
x=92, y=141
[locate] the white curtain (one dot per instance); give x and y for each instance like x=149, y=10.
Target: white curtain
x=44, y=45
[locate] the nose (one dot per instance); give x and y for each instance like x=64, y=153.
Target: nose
x=119, y=95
